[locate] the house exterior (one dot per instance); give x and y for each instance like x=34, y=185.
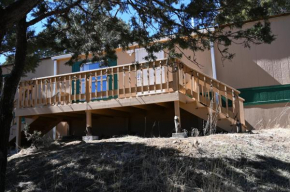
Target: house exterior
x=126, y=98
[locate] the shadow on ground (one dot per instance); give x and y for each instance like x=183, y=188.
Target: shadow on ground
x=125, y=166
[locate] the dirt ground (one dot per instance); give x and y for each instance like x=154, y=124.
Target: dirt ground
x=222, y=162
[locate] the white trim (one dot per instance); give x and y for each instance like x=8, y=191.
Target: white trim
x=66, y=56
x=55, y=67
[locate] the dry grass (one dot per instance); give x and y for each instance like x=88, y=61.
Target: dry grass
x=229, y=162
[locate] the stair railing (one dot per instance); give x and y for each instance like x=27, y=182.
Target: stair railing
x=204, y=88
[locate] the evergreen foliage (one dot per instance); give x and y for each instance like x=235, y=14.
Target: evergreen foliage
x=96, y=27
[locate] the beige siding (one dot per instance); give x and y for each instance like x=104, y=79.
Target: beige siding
x=268, y=116
x=6, y=69
x=124, y=57
x=62, y=67
x=45, y=68
x=261, y=65
x=202, y=58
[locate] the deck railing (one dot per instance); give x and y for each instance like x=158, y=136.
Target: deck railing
x=225, y=99
x=131, y=80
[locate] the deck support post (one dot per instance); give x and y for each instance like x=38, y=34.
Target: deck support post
x=18, y=133
x=177, y=113
x=88, y=118
x=241, y=113
x=177, y=122
x=89, y=135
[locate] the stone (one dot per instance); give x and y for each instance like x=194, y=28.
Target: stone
x=90, y=138
x=179, y=135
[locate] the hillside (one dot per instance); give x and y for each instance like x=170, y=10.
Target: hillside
x=225, y=162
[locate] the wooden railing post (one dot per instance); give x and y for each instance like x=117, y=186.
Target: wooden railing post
x=124, y=74
x=113, y=83
x=167, y=76
x=69, y=89
x=142, y=80
x=161, y=82
x=227, y=104
x=80, y=86
x=148, y=79
x=197, y=87
x=59, y=90
x=129, y=81
x=19, y=95
x=107, y=83
x=175, y=70
x=219, y=98
x=88, y=84
x=136, y=80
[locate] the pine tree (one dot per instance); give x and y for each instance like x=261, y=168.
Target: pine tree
x=95, y=26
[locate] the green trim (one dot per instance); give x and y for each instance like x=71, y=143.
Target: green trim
x=105, y=98
x=5, y=75
x=76, y=68
x=266, y=95
x=113, y=62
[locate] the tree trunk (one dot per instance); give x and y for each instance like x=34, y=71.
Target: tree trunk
x=2, y=34
x=8, y=94
x=15, y=11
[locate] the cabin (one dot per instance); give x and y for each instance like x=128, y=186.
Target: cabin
x=134, y=96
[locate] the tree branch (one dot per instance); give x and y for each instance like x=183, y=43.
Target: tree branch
x=56, y=12
x=15, y=12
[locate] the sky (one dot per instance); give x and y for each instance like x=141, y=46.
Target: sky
x=124, y=16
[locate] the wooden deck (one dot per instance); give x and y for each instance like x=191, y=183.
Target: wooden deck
x=133, y=84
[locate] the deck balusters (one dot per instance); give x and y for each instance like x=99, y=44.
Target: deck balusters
x=71, y=88
x=118, y=82
x=148, y=78
x=113, y=83
x=227, y=104
x=160, y=75
x=136, y=73
x=124, y=90
x=141, y=71
x=129, y=79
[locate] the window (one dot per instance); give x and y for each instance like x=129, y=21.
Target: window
x=140, y=55
x=92, y=66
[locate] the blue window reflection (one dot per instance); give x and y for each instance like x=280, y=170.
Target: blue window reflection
x=103, y=79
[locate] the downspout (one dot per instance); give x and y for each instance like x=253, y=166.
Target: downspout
x=213, y=60
x=213, y=66
x=211, y=53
